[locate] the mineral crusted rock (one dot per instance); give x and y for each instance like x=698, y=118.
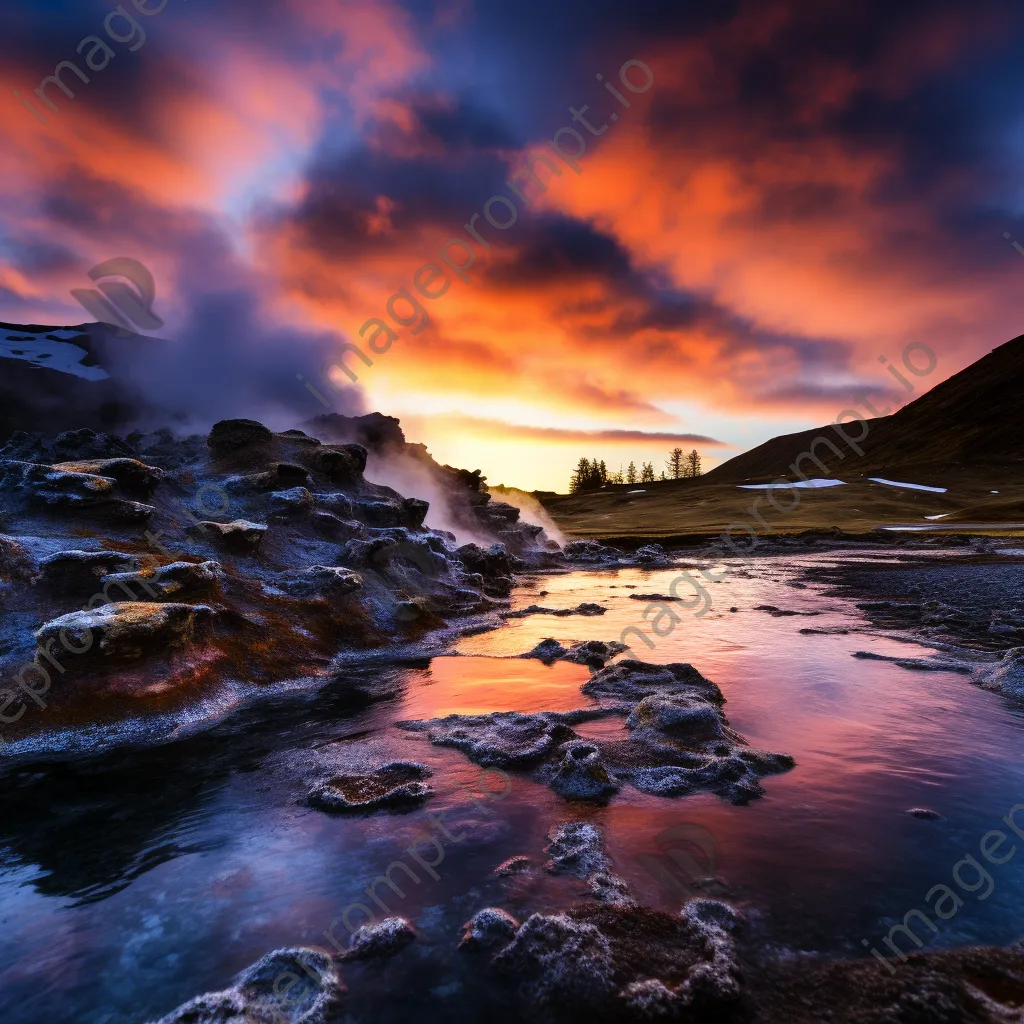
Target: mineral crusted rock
x=581, y=773
x=487, y=929
x=131, y=474
x=79, y=573
x=502, y=738
x=177, y=580
x=384, y=939
x=127, y=630
x=287, y=986
x=238, y=535
x=593, y=653
x=392, y=785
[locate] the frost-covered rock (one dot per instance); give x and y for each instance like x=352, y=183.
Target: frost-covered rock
x=560, y=962
x=581, y=774
x=287, y=986
x=576, y=849
x=131, y=474
x=78, y=573
x=127, y=630
x=626, y=683
x=395, y=784
x=487, y=929
x=238, y=535
x=502, y=738
x=294, y=501
x=1007, y=676
x=177, y=580
x=53, y=488
x=384, y=939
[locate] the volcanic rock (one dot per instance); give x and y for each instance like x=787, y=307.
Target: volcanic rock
x=502, y=738
x=230, y=435
x=396, y=784
x=178, y=580
x=238, y=535
x=384, y=939
x=127, y=630
x=79, y=573
x=287, y=986
x=487, y=929
x=581, y=774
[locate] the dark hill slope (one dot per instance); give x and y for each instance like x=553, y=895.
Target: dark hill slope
x=974, y=416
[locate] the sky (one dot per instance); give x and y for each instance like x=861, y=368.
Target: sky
x=760, y=201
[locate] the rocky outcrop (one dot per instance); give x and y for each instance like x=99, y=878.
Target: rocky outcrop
x=176, y=581
x=131, y=475
x=320, y=582
x=239, y=535
x=80, y=573
x=127, y=630
x=288, y=986
x=231, y=435
x=396, y=784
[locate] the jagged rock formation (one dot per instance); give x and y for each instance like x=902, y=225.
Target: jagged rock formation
x=172, y=567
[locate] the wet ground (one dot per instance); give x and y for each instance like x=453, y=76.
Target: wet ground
x=136, y=880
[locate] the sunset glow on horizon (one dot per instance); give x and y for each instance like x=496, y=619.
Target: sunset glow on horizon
x=750, y=205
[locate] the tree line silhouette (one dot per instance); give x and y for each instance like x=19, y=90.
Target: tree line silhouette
x=592, y=474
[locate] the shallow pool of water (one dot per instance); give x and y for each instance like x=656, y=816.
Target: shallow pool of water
x=137, y=880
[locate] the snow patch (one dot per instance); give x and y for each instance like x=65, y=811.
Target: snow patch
x=811, y=484
x=912, y=487
x=52, y=350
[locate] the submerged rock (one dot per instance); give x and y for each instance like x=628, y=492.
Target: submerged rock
x=384, y=939
x=586, y=608
x=487, y=929
x=287, y=986
x=516, y=865
x=127, y=630
x=396, y=784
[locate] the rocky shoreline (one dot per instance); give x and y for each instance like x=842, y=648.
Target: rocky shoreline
x=156, y=584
